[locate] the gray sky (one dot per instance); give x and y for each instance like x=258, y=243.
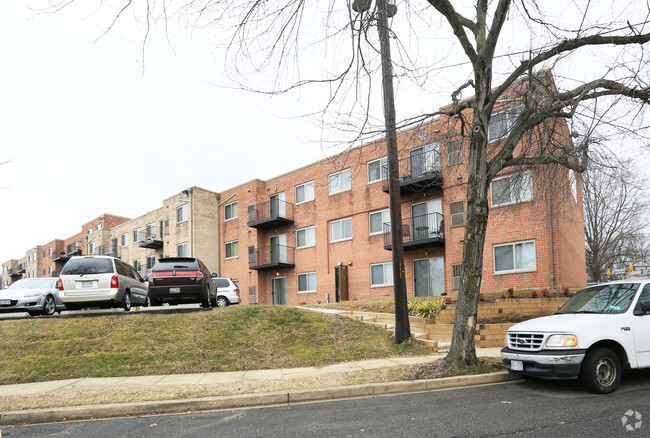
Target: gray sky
x=86, y=132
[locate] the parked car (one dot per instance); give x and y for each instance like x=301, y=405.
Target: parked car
x=101, y=281
x=178, y=280
x=36, y=296
x=227, y=291
x=599, y=333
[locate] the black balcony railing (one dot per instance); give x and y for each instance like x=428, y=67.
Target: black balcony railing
x=56, y=273
x=271, y=257
x=20, y=269
x=74, y=249
x=150, y=238
x=60, y=256
x=271, y=214
x=419, y=231
x=13, y=272
x=418, y=172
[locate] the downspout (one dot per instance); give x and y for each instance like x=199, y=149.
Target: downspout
x=549, y=211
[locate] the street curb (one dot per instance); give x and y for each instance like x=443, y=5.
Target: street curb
x=246, y=400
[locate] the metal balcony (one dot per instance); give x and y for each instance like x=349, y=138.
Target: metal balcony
x=419, y=232
x=150, y=239
x=271, y=214
x=60, y=257
x=271, y=257
x=20, y=269
x=74, y=249
x=13, y=273
x=417, y=173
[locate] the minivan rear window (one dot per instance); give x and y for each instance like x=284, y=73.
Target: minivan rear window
x=221, y=282
x=88, y=266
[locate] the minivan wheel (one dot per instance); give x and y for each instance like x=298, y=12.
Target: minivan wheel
x=601, y=371
x=222, y=302
x=126, y=302
x=49, y=307
x=148, y=302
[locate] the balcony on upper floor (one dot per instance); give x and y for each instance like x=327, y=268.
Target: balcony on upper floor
x=419, y=232
x=151, y=238
x=60, y=256
x=418, y=172
x=74, y=249
x=272, y=214
x=14, y=272
x=21, y=268
x=271, y=257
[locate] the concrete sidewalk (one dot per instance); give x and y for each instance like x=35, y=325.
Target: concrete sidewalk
x=209, y=403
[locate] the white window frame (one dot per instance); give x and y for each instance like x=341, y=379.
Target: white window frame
x=338, y=221
x=137, y=235
x=385, y=266
x=49, y=270
x=383, y=212
x=91, y=247
x=521, y=174
x=308, y=183
x=225, y=208
x=49, y=251
x=124, y=239
x=226, y=250
x=184, y=245
x=339, y=177
x=99, y=227
x=382, y=162
x=305, y=229
x=307, y=291
x=184, y=213
x=514, y=256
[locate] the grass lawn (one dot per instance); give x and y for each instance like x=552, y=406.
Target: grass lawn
x=230, y=339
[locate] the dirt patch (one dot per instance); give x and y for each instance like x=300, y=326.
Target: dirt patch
x=442, y=368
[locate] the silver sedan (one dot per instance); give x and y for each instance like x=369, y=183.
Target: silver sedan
x=36, y=296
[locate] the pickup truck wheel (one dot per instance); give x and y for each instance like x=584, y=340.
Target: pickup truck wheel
x=601, y=371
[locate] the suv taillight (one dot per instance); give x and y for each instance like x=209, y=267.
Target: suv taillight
x=114, y=282
x=236, y=291
x=59, y=284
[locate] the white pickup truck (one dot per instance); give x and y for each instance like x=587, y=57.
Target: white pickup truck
x=597, y=334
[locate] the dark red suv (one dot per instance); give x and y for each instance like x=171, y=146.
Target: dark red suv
x=180, y=280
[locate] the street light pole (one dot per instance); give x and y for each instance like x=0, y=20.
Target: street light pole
x=402, y=327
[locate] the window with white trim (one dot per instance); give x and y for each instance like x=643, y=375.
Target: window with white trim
x=125, y=239
x=151, y=260
x=230, y=211
x=306, y=237
x=232, y=249
x=99, y=226
x=340, y=181
x=502, y=122
x=91, y=248
x=514, y=257
x=381, y=274
x=49, y=270
x=341, y=230
x=457, y=213
x=136, y=235
x=305, y=192
x=181, y=213
x=377, y=170
x=137, y=265
x=512, y=189
x=182, y=250
x=307, y=282
x=377, y=219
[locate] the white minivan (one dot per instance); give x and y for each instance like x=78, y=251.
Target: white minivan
x=101, y=281
x=600, y=332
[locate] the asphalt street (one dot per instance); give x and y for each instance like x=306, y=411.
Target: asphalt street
x=521, y=408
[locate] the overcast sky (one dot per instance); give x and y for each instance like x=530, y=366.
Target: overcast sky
x=86, y=132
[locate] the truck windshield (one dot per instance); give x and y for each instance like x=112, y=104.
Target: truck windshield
x=608, y=298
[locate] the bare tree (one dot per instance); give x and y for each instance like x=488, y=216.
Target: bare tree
x=614, y=212
x=271, y=35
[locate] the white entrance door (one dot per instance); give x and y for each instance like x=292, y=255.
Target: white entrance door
x=279, y=290
x=277, y=205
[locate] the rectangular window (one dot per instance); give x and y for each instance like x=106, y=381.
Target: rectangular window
x=151, y=260
x=306, y=237
x=182, y=250
x=90, y=230
x=456, y=272
x=341, y=230
x=307, y=282
x=99, y=226
x=251, y=255
x=125, y=239
x=137, y=265
x=91, y=248
x=181, y=214
x=454, y=152
x=512, y=189
x=457, y=213
x=502, y=122
x=232, y=249
x=230, y=211
x=136, y=235
x=166, y=227
x=377, y=170
x=514, y=257
x=49, y=251
x=49, y=270
x=381, y=274
x=305, y=192
x=377, y=220
x=340, y=181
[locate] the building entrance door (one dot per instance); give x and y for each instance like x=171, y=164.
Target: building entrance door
x=429, y=277
x=341, y=274
x=279, y=290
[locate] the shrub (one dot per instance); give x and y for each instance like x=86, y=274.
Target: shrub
x=533, y=294
x=545, y=293
x=449, y=301
x=481, y=297
x=511, y=293
x=503, y=296
x=512, y=317
x=426, y=309
x=565, y=291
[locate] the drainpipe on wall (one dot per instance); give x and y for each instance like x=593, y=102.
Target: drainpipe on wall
x=549, y=210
